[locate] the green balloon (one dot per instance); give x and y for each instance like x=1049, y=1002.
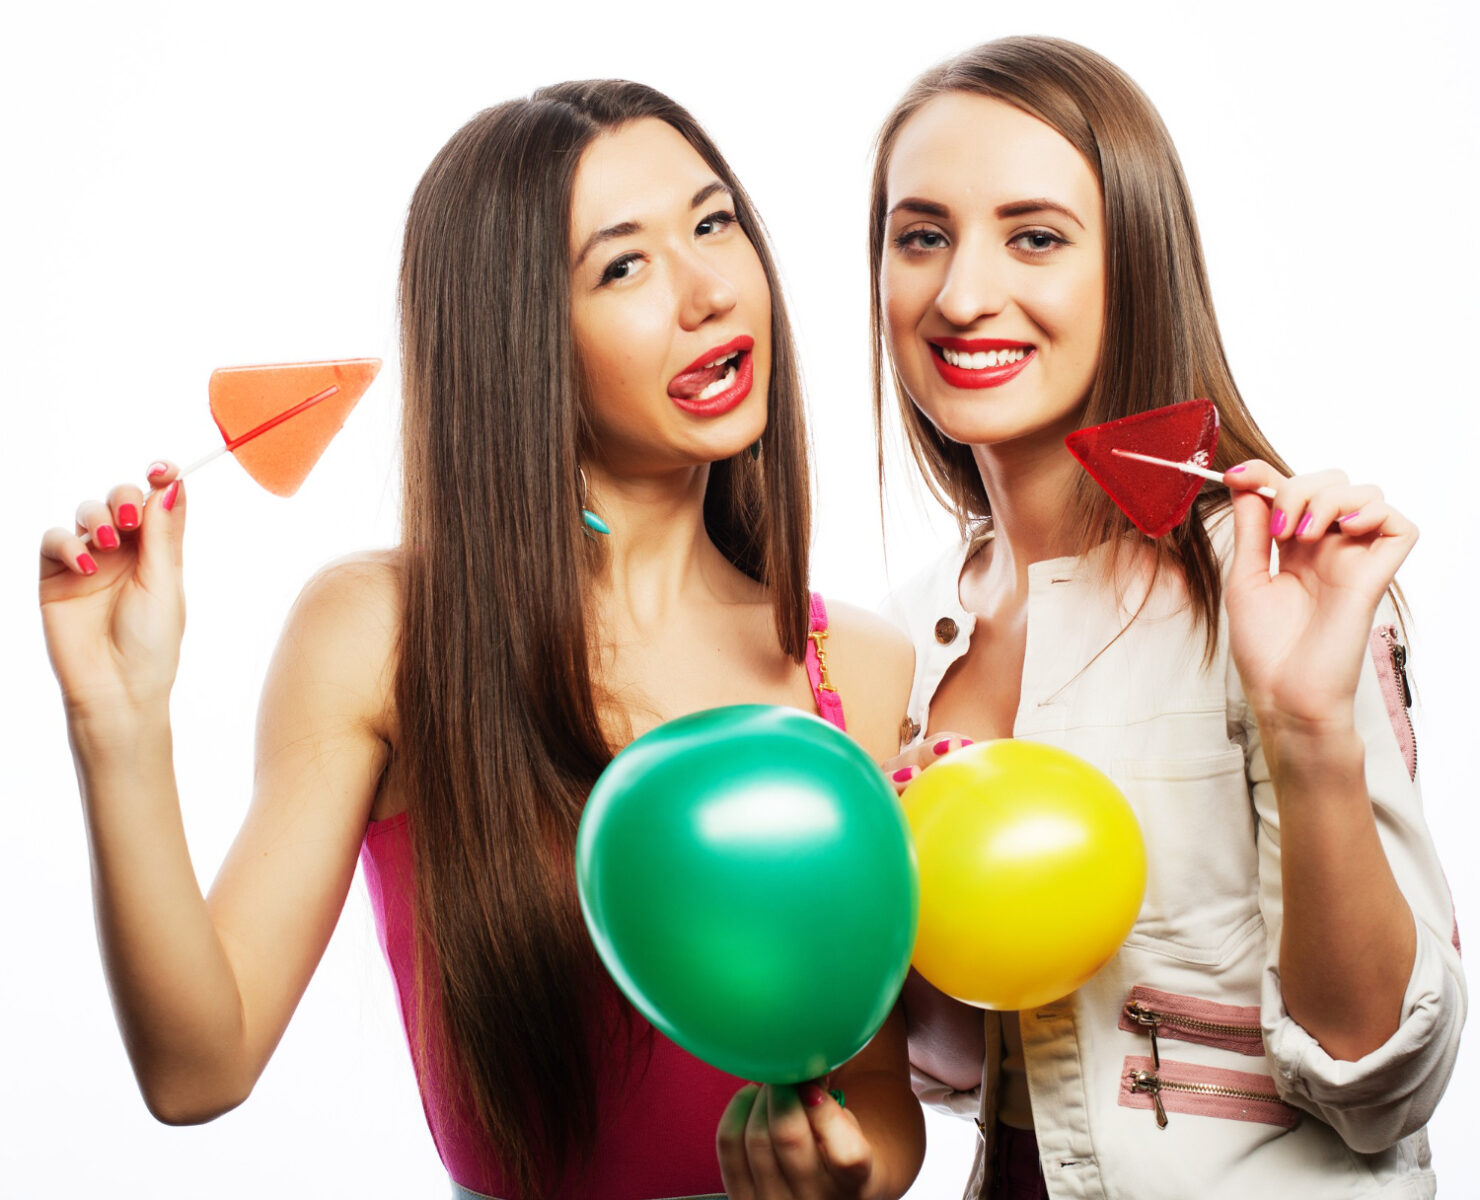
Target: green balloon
x=748, y=878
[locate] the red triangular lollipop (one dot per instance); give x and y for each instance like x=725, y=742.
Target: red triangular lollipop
x=280, y=456
x=1154, y=498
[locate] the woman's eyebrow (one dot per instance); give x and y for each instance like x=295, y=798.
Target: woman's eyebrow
x=924, y=208
x=628, y=228
x=1023, y=208
x=706, y=191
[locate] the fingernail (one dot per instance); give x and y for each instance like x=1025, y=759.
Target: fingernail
x=905, y=774
x=156, y=468
x=86, y=565
x=943, y=746
x=1304, y=524
x=810, y=1093
x=1349, y=517
x=1276, y=523
x=106, y=537
x=128, y=516
x=1233, y=470
x=171, y=494
x=966, y=742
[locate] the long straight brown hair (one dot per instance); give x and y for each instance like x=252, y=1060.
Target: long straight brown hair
x=497, y=700
x=1160, y=342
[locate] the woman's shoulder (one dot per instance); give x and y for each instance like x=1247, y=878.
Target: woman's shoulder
x=362, y=587
x=345, y=627
x=871, y=664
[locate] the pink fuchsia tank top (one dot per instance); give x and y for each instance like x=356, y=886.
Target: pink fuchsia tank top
x=659, y=1113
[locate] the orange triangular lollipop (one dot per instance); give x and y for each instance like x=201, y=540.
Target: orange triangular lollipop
x=278, y=419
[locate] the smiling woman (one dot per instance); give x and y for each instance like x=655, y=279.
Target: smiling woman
x=590, y=320
x=1037, y=269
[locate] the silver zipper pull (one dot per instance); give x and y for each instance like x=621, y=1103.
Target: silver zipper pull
x=1145, y=1081
x=1400, y=664
x=1148, y=1020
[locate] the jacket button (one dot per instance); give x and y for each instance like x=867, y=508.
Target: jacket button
x=909, y=730
x=945, y=631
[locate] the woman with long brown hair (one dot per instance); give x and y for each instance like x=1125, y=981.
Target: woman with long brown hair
x=1285, y=1014
x=605, y=526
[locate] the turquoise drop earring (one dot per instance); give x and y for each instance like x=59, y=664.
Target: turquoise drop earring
x=594, y=523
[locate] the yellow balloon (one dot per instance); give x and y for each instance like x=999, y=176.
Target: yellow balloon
x=1032, y=871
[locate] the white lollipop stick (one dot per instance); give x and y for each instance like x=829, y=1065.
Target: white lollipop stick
x=1186, y=468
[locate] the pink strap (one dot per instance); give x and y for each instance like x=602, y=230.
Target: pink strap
x=829, y=703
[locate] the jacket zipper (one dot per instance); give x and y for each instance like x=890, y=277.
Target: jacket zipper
x=1148, y=1081
x=1399, y=654
x=1153, y=1020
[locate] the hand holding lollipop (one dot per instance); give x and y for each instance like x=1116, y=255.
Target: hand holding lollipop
x=1298, y=632
x=277, y=421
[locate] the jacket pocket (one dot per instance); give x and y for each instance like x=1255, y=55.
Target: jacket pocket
x=1179, y=1087
x=1202, y=859
x=1232, y=1027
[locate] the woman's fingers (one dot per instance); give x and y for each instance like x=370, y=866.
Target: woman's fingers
x=729, y=1142
x=904, y=768
x=162, y=472
x=844, y=1150
x=781, y=1136
x=95, y=525
x=790, y=1143
x=126, y=503
x=61, y=551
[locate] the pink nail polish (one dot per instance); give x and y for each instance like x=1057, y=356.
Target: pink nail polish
x=171, y=494
x=1276, y=523
x=1304, y=524
x=1233, y=470
x=1349, y=517
x=156, y=468
x=128, y=516
x=966, y=742
x=810, y=1093
x=106, y=537
x=86, y=565
x=943, y=746
x=904, y=774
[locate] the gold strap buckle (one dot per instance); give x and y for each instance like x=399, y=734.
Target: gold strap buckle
x=818, y=638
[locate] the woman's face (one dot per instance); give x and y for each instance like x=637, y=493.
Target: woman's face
x=993, y=277
x=670, y=305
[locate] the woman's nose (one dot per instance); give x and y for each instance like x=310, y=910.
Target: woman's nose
x=707, y=292
x=974, y=287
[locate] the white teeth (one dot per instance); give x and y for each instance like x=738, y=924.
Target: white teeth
x=717, y=361
x=719, y=385
x=984, y=358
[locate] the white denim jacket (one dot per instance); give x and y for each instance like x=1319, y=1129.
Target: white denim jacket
x=1202, y=962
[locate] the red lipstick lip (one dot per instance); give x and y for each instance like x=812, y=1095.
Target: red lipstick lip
x=963, y=377
x=715, y=406
x=743, y=342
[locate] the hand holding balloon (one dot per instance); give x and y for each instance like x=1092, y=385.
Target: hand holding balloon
x=1032, y=871
x=748, y=880
x=777, y=1142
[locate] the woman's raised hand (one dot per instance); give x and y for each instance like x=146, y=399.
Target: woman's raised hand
x=114, y=612
x=1299, y=636
x=778, y=1142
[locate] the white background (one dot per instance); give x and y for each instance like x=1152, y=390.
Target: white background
x=192, y=185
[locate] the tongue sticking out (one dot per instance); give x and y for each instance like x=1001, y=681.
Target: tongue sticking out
x=688, y=384
x=1154, y=498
